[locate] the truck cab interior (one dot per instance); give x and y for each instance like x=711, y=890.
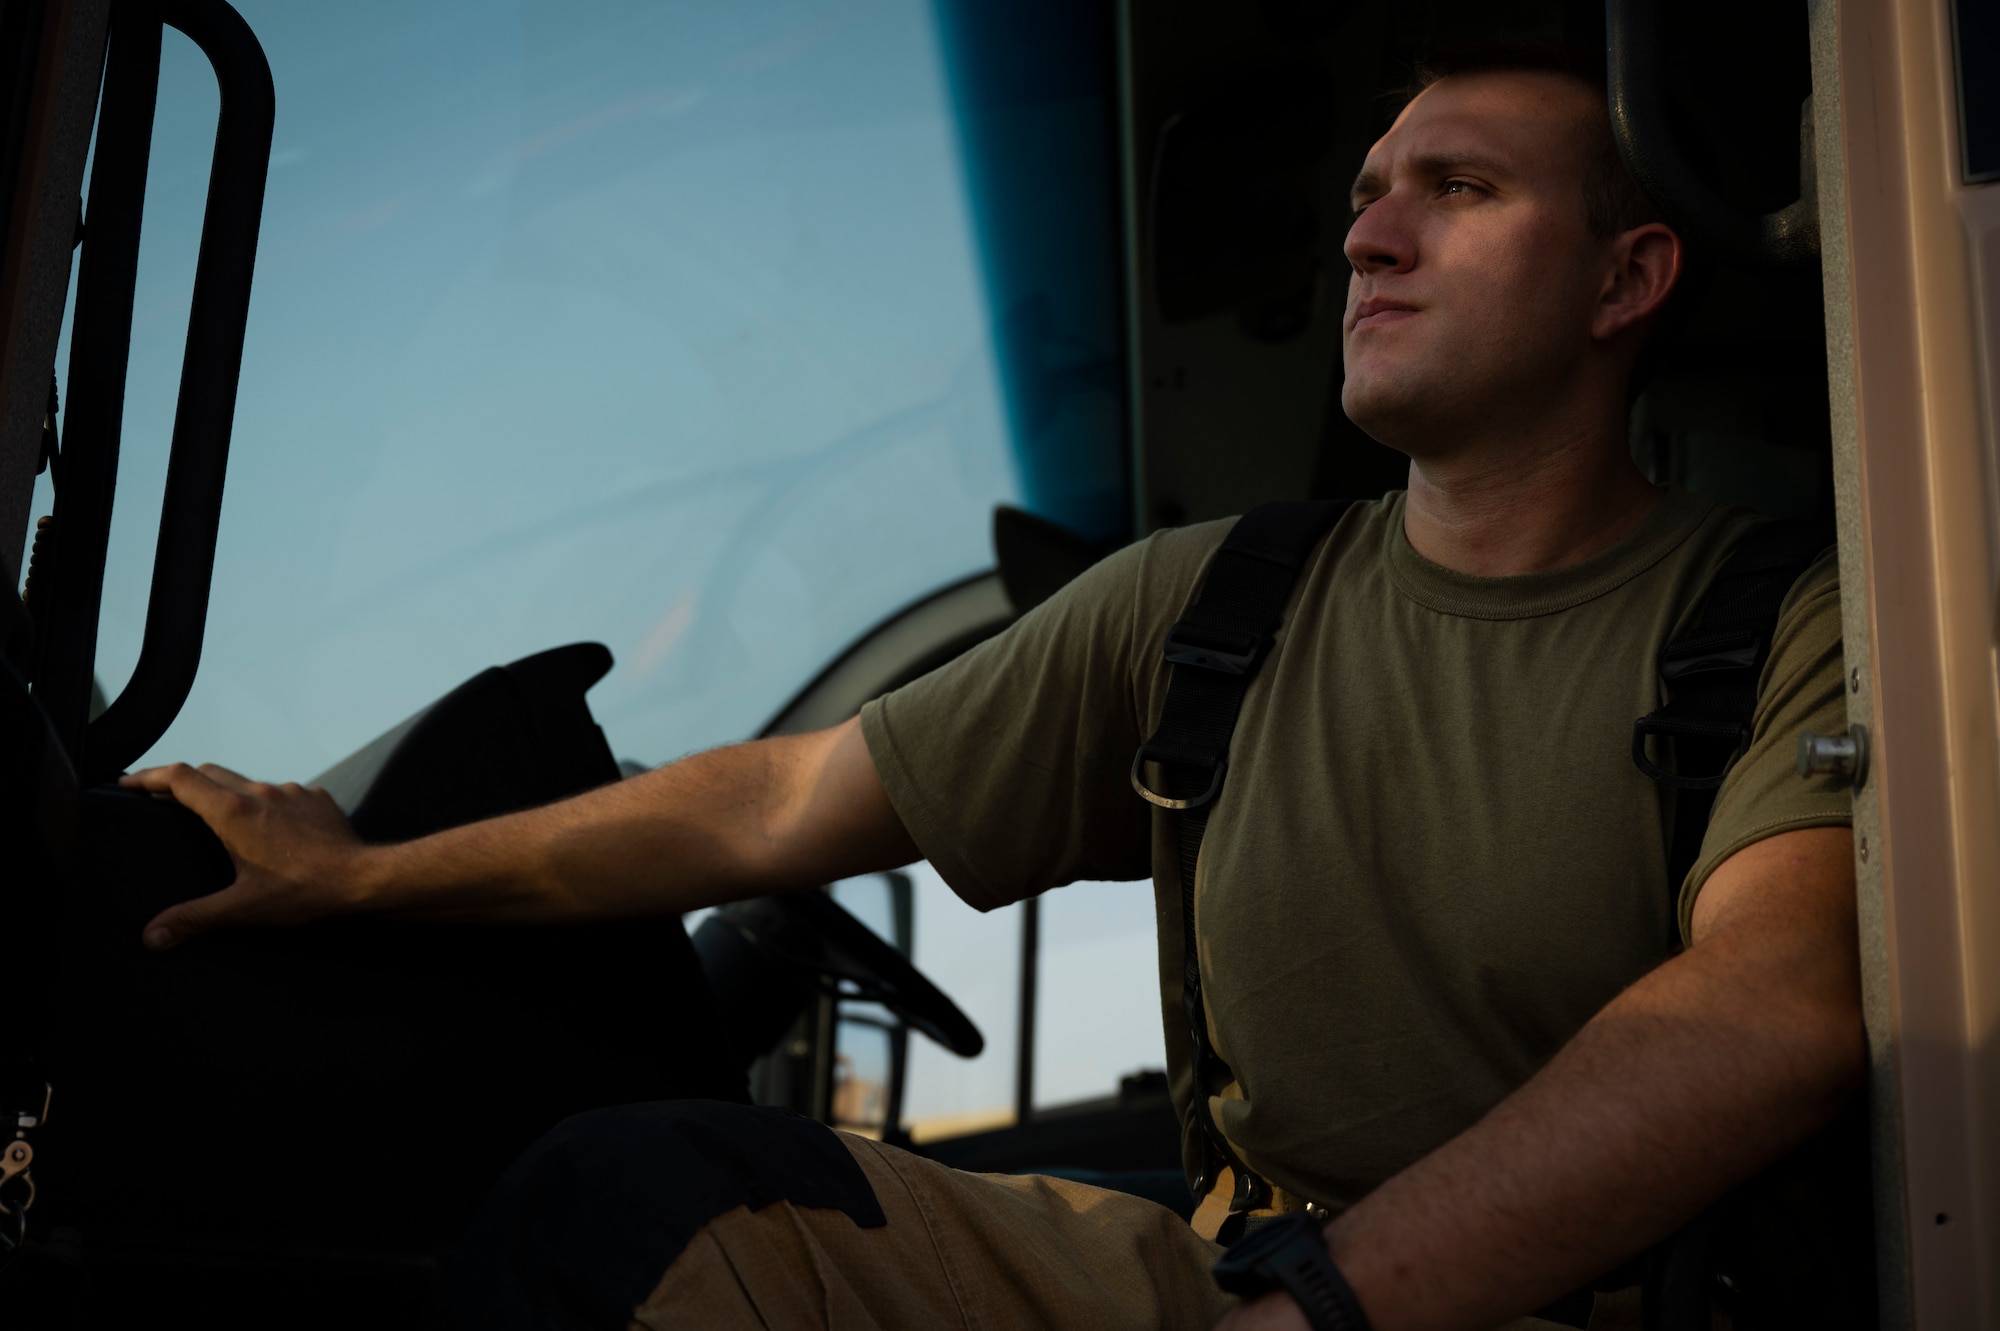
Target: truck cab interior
x=475, y=404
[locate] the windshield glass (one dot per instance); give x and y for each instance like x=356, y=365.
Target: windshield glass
x=654, y=324
x=664, y=325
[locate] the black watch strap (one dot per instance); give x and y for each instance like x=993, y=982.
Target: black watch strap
x=1289, y=1253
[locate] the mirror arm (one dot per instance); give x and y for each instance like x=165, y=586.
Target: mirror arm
x=184, y=560
x=70, y=553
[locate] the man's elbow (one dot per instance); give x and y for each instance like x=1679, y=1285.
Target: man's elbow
x=1776, y=936
x=1812, y=1050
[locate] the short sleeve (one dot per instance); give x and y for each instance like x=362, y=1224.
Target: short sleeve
x=1009, y=764
x=1803, y=688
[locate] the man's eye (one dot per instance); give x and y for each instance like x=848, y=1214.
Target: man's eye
x=1458, y=187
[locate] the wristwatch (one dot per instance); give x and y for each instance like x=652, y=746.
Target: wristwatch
x=1289, y=1253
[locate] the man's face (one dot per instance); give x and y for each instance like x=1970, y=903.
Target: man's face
x=1475, y=277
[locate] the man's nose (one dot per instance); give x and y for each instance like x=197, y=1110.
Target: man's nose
x=1380, y=239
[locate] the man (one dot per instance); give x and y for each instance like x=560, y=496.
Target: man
x=1435, y=929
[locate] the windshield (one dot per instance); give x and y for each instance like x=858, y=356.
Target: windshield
x=655, y=324
x=662, y=325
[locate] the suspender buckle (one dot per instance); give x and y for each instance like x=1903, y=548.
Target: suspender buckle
x=1220, y=650
x=1252, y=1193
x=1714, y=732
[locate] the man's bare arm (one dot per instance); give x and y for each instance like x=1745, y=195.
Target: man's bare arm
x=776, y=815
x=1684, y=1085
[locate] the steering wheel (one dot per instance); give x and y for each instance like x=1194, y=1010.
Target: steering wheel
x=765, y=958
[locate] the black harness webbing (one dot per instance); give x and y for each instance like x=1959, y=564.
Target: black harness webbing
x=1214, y=653
x=1710, y=674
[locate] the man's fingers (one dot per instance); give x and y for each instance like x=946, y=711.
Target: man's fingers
x=288, y=844
x=177, y=924
x=224, y=777
x=199, y=791
x=193, y=787
x=165, y=780
x=158, y=780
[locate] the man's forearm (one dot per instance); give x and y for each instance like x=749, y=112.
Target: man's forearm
x=1660, y=1105
x=1713, y=1064
x=747, y=820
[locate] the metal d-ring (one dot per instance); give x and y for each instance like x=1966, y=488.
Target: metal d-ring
x=1152, y=796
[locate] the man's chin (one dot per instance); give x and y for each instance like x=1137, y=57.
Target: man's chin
x=1400, y=415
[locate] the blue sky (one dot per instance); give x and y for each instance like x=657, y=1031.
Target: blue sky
x=652, y=323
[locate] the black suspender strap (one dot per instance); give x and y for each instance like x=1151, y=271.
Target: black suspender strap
x=1214, y=653
x=1711, y=672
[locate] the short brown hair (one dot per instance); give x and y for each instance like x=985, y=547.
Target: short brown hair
x=1612, y=199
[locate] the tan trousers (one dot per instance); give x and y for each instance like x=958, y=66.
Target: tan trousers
x=972, y=1251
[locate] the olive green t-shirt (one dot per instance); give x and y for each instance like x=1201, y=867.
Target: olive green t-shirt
x=1433, y=860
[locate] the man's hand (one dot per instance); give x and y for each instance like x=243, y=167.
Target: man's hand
x=296, y=857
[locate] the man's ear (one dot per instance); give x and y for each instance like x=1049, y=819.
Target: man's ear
x=1647, y=263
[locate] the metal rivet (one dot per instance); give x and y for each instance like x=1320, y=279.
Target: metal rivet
x=1854, y=680
x=1864, y=850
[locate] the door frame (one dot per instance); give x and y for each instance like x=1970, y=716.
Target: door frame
x=40, y=243
x=1911, y=262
